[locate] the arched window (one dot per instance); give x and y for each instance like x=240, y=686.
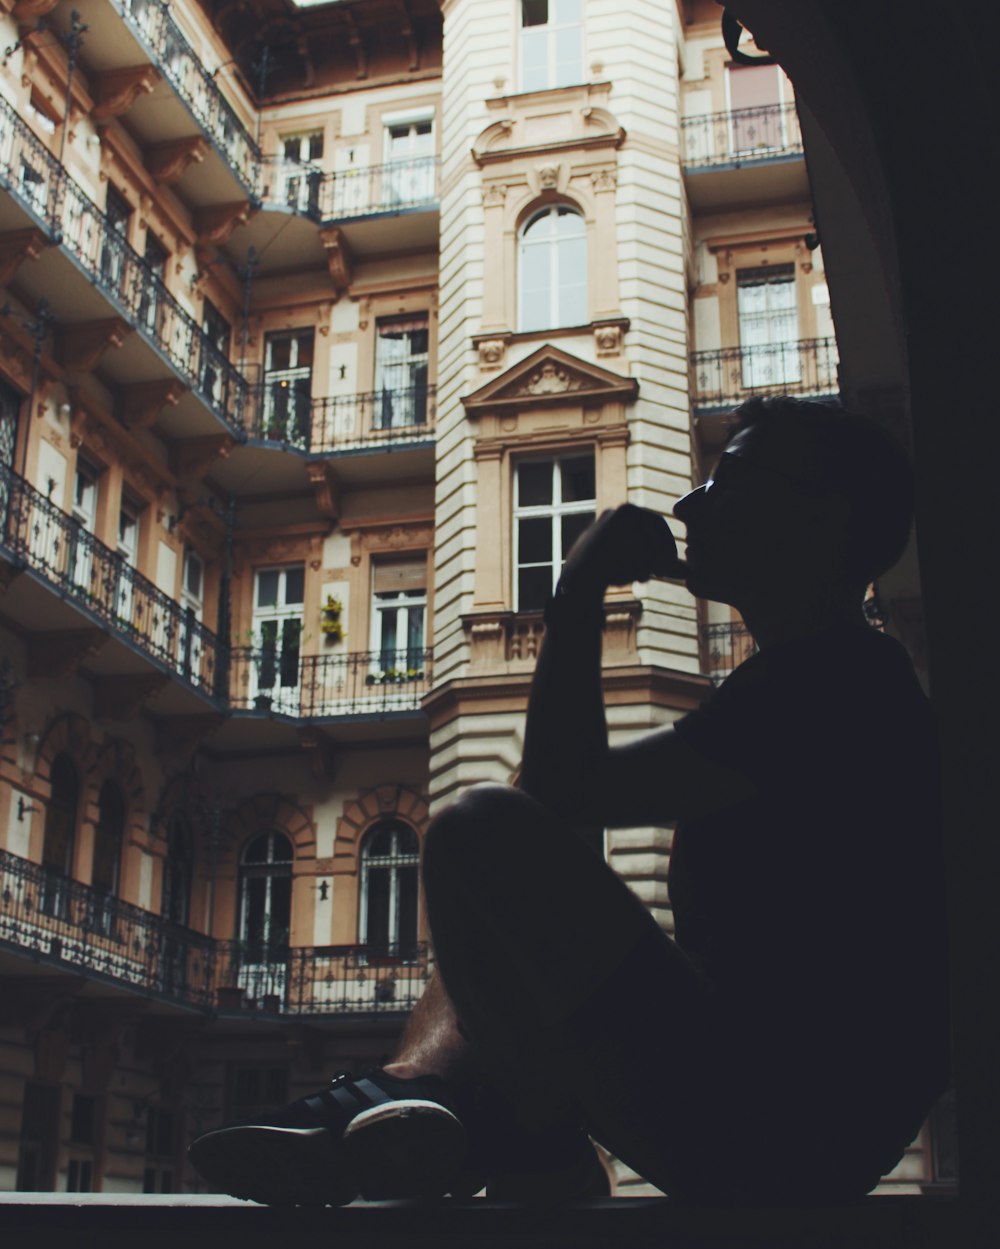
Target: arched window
x=178, y=870
x=390, y=865
x=109, y=835
x=60, y=834
x=552, y=270
x=266, y=897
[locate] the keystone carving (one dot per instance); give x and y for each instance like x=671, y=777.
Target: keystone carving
x=168, y=162
x=116, y=90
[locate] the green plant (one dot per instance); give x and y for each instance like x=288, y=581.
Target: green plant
x=331, y=623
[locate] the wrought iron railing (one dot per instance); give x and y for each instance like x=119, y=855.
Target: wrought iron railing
x=169, y=48
x=272, y=681
x=740, y=136
x=807, y=366
x=285, y=413
x=51, y=917
x=30, y=171
x=724, y=647
x=354, y=192
x=59, y=548
x=316, y=980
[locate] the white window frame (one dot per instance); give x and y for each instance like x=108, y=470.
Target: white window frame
x=391, y=862
x=409, y=177
x=290, y=378
x=256, y=978
x=129, y=514
x=283, y=697
x=192, y=608
x=84, y=512
x=552, y=29
x=773, y=360
x=554, y=511
x=736, y=148
x=299, y=177
x=549, y=249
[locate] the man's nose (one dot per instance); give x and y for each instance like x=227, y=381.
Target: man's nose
x=685, y=504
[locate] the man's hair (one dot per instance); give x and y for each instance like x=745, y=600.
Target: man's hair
x=854, y=457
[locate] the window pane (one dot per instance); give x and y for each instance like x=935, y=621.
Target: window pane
x=415, y=633
x=379, y=843
x=569, y=56
x=534, y=541
x=279, y=353
x=267, y=589
x=534, y=483
x=572, y=261
x=256, y=851
x=534, y=12
x=295, y=580
x=578, y=483
x=254, y=910
x=377, y=933
x=534, y=585
x=407, y=932
x=572, y=527
x=280, y=920
x=535, y=59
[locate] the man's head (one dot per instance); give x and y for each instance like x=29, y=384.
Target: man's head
x=802, y=490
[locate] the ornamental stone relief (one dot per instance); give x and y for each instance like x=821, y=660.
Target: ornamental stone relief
x=550, y=380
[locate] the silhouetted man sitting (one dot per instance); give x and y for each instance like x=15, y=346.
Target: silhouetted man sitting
x=788, y=1044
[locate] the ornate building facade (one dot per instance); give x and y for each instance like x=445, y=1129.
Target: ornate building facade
x=325, y=329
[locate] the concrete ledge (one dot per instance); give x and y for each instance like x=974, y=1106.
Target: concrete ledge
x=621, y=1223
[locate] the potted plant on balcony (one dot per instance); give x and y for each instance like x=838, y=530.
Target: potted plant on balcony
x=331, y=620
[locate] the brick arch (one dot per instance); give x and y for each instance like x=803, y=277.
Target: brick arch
x=265, y=811
x=115, y=761
x=66, y=734
x=371, y=805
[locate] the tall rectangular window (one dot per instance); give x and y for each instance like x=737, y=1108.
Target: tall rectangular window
x=401, y=364
x=193, y=606
x=85, y=515
x=215, y=352
x=288, y=363
x=409, y=158
x=755, y=114
x=39, y=1141
x=551, y=43
x=399, y=611
x=117, y=215
x=150, y=302
x=767, y=308
x=301, y=175
x=277, y=630
x=128, y=553
x=554, y=502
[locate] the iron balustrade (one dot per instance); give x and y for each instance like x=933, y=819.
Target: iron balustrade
x=30, y=171
x=318, y=686
x=57, y=546
x=740, y=136
x=183, y=69
x=317, y=980
x=807, y=366
x=354, y=192
x=280, y=412
x=46, y=914
x=724, y=647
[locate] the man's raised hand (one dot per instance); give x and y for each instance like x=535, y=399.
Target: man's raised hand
x=623, y=545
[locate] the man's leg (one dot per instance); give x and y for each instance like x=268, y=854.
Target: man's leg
x=532, y=931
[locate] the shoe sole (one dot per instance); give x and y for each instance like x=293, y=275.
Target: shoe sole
x=405, y=1148
x=276, y=1166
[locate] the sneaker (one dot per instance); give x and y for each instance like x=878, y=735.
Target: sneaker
x=376, y=1135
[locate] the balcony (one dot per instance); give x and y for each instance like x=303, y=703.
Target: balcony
x=746, y=155
x=184, y=100
x=721, y=379
x=377, y=208
x=97, y=586
x=60, y=922
x=106, y=277
x=373, y=421
x=328, y=687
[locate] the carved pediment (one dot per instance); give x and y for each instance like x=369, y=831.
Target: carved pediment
x=550, y=376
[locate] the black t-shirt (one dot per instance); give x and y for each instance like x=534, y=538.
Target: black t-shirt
x=815, y=909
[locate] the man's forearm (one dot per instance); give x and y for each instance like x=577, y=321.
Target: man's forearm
x=566, y=734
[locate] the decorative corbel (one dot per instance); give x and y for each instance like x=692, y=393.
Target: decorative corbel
x=215, y=225
x=116, y=90
x=82, y=345
x=168, y=162
x=143, y=402
x=324, y=483
x=16, y=246
x=338, y=257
